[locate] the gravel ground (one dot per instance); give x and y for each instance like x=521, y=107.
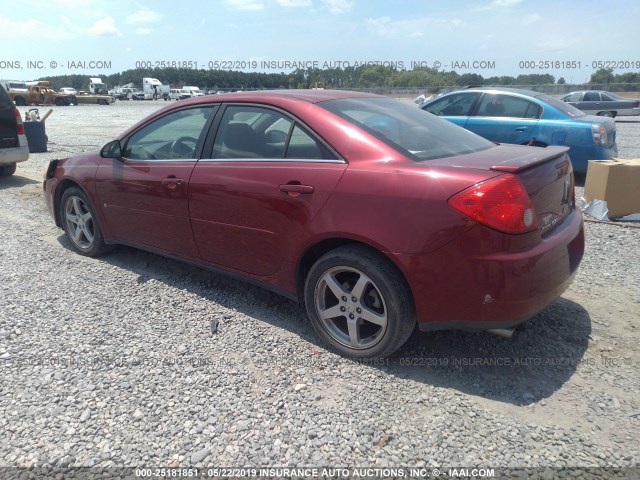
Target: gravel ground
x=114, y=362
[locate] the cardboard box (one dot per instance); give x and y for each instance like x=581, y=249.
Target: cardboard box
x=616, y=181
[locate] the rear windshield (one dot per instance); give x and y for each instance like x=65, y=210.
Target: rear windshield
x=562, y=106
x=411, y=131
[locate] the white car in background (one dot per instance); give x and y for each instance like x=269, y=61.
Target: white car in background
x=193, y=91
x=69, y=91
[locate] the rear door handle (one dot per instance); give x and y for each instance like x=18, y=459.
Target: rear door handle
x=521, y=129
x=295, y=189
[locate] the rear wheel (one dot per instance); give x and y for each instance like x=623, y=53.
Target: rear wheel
x=60, y=102
x=7, y=170
x=81, y=224
x=358, y=303
x=606, y=114
x=20, y=101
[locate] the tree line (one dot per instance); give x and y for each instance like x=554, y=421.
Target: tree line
x=359, y=77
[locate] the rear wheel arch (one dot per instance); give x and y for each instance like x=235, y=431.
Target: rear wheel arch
x=374, y=313
x=313, y=253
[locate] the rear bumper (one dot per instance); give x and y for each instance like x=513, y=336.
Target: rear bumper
x=13, y=155
x=462, y=287
x=580, y=156
x=631, y=112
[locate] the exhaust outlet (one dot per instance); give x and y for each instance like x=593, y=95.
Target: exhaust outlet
x=502, y=332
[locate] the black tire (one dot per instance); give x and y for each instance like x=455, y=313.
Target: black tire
x=60, y=102
x=7, y=170
x=102, y=102
x=20, y=102
x=80, y=223
x=371, y=321
x=606, y=114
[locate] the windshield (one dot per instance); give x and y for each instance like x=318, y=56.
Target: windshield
x=409, y=130
x=562, y=106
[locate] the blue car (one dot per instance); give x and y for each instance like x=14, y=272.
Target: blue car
x=507, y=115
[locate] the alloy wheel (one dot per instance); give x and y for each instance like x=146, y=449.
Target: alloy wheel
x=80, y=222
x=350, y=307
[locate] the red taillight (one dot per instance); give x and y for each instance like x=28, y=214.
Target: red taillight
x=500, y=203
x=19, y=125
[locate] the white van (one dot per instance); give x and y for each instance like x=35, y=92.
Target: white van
x=193, y=91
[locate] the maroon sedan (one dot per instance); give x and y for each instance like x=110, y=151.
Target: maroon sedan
x=376, y=214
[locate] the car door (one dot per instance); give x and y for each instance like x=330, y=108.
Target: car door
x=144, y=194
x=265, y=180
x=455, y=107
x=504, y=118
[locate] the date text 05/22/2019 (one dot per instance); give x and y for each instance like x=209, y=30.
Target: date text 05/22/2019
x=314, y=64
x=283, y=65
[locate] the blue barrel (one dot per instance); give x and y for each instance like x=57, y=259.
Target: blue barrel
x=36, y=136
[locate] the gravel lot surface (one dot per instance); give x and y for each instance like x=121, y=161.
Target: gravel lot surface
x=113, y=361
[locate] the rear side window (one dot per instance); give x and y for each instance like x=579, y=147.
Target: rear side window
x=591, y=97
x=560, y=105
x=409, y=130
x=607, y=98
x=496, y=105
x=247, y=131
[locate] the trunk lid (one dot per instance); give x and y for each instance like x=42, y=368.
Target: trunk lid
x=545, y=173
x=548, y=179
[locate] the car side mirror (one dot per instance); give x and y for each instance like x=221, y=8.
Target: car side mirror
x=112, y=149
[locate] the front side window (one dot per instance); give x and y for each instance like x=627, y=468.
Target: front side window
x=454, y=105
x=256, y=132
x=496, y=105
x=409, y=130
x=572, y=97
x=172, y=136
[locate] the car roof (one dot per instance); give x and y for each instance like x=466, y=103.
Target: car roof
x=308, y=95
x=279, y=98
x=585, y=91
x=517, y=91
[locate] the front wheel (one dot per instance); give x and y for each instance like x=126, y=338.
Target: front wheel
x=81, y=224
x=358, y=303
